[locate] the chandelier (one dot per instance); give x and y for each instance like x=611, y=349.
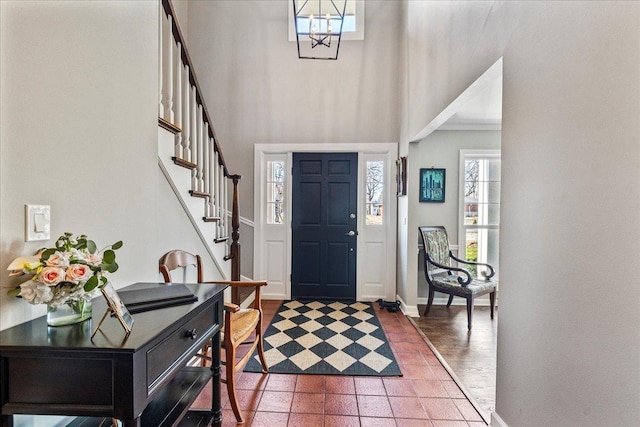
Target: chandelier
x=318, y=25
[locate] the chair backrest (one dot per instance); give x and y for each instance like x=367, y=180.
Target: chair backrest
x=175, y=259
x=436, y=246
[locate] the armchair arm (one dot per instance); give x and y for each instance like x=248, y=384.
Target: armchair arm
x=463, y=282
x=486, y=275
x=231, y=308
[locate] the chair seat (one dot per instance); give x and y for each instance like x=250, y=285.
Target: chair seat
x=243, y=323
x=473, y=288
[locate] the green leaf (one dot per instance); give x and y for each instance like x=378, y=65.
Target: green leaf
x=112, y=268
x=103, y=280
x=46, y=254
x=82, y=244
x=109, y=256
x=14, y=292
x=91, y=284
x=91, y=246
x=117, y=245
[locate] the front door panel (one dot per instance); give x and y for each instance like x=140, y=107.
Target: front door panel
x=324, y=214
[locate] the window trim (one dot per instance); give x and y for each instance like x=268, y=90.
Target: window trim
x=358, y=34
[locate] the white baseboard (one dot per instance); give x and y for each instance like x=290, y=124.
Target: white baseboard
x=480, y=302
x=408, y=310
x=496, y=421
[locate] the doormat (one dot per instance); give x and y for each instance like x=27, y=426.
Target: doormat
x=326, y=338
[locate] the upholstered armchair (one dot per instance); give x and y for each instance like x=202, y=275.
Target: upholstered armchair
x=443, y=273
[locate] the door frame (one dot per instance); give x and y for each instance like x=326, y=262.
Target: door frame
x=272, y=244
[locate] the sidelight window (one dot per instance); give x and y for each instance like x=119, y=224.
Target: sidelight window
x=275, y=192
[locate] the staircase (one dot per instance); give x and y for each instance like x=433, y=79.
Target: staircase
x=189, y=154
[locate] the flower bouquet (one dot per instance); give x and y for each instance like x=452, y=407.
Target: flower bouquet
x=66, y=277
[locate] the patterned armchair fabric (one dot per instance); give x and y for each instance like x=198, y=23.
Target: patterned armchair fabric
x=449, y=276
x=438, y=247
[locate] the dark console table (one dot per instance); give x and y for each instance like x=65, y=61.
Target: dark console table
x=140, y=379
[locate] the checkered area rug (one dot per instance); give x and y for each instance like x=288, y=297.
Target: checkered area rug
x=327, y=338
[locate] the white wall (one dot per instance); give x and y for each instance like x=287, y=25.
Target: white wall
x=258, y=91
x=570, y=201
x=78, y=84
x=177, y=232
x=441, y=149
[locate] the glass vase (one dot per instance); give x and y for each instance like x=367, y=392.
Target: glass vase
x=69, y=313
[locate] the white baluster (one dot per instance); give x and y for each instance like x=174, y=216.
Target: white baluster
x=205, y=166
x=210, y=171
x=177, y=88
x=220, y=202
x=200, y=147
x=186, y=114
x=167, y=57
x=214, y=183
x=193, y=109
x=160, y=73
x=226, y=206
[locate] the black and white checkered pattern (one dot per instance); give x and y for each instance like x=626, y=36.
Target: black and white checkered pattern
x=328, y=338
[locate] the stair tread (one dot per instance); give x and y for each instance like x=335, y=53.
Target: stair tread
x=184, y=163
x=196, y=193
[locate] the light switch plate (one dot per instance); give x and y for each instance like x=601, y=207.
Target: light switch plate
x=37, y=222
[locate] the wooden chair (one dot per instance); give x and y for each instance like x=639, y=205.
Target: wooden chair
x=239, y=324
x=443, y=277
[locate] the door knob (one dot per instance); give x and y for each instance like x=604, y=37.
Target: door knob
x=351, y=233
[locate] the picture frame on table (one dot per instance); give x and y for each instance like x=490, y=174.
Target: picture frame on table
x=116, y=307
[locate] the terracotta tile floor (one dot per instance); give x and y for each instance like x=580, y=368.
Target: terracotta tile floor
x=425, y=396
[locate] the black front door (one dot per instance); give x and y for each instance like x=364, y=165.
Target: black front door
x=324, y=225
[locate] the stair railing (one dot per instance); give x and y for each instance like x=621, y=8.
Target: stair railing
x=182, y=111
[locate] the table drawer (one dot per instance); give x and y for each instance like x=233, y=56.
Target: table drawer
x=187, y=338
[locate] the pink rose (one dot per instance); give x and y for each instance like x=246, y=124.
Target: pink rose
x=51, y=276
x=77, y=273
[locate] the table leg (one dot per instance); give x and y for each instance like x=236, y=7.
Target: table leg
x=216, y=407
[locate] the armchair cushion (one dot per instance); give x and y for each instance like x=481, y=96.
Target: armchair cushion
x=451, y=283
x=243, y=322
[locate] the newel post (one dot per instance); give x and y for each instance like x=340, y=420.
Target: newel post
x=236, y=298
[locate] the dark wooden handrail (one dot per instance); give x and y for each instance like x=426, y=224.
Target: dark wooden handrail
x=177, y=34
x=234, y=250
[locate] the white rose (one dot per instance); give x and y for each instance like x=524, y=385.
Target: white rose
x=93, y=259
x=58, y=259
x=77, y=273
x=35, y=293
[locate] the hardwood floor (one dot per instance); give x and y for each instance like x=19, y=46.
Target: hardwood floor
x=471, y=356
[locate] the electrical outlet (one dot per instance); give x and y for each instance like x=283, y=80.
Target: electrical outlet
x=37, y=222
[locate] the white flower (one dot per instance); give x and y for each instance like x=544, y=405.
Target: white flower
x=35, y=292
x=23, y=264
x=93, y=259
x=59, y=259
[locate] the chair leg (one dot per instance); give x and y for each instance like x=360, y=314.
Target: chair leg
x=265, y=368
x=450, y=300
x=230, y=357
x=469, y=312
x=492, y=301
x=430, y=301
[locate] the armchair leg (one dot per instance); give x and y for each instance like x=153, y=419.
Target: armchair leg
x=469, y=312
x=430, y=301
x=492, y=301
x=265, y=368
x=450, y=300
x=230, y=357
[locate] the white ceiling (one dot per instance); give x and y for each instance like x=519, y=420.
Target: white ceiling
x=482, y=112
